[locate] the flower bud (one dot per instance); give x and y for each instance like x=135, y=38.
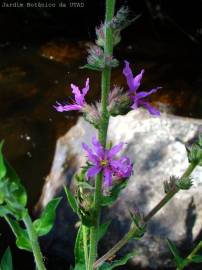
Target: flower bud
x=184, y=183
x=170, y=185
x=92, y=114
x=119, y=102
x=195, y=152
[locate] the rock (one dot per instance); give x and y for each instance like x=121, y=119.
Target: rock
x=157, y=147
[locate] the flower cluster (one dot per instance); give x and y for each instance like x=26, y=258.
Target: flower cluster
x=119, y=102
x=103, y=160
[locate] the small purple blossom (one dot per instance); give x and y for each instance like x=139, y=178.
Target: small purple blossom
x=104, y=160
x=79, y=97
x=138, y=98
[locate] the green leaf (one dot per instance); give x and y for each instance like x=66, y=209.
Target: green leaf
x=2, y=165
x=22, y=238
x=72, y=201
x=116, y=263
x=114, y=193
x=196, y=259
x=175, y=252
x=4, y=211
x=102, y=230
x=6, y=261
x=18, y=191
x=92, y=67
x=78, y=249
x=44, y=224
x=79, y=267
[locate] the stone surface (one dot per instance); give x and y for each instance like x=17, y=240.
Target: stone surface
x=157, y=147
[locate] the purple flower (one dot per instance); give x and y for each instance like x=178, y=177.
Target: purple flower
x=104, y=160
x=79, y=99
x=138, y=98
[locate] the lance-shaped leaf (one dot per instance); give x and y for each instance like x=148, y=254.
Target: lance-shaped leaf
x=175, y=252
x=196, y=259
x=44, y=224
x=116, y=263
x=72, y=201
x=79, y=251
x=22, y=238
x=102, y=230
x=2, y=165
x=6, y=261
x=18, y=191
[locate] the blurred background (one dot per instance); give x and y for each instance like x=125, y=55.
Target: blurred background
x=41, y=50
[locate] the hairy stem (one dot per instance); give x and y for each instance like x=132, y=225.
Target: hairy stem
x=105, y=86
x=134, y=229
x=34, y=242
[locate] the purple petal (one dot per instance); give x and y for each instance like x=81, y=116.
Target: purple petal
x=77, y=94
x=128, y=74
x=72, y=107
x=137, y=80
x=135, y=105
x=114, y=150
x=151, y=109
x=122, y=167
x=93, y=171
x=107, y=177
x=98, y=148
x=133, y=83
x=58, y=107
x=86, y=88
x=145, y=94
x=93, y=158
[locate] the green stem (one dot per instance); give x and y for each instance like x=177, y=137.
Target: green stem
x=105, y=87
x=134, y=229
x=195, y=251
x=85, y=244
x=34, y=242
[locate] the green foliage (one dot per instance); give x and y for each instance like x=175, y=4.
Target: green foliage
x=196, y=259
x=178, y=259
x=181, y=263
x=71, y=199
x=22, y=238
x=116, y=263
x=102, y=230
x=2, y=165
x=79, y=251
x=13, y=196
x=6, y=261
x=44, y=224
x=114, y=193
x=92, y=67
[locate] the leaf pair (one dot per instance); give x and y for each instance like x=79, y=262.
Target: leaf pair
x=181, y=263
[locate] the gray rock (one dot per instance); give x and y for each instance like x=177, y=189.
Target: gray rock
x=157, y=147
